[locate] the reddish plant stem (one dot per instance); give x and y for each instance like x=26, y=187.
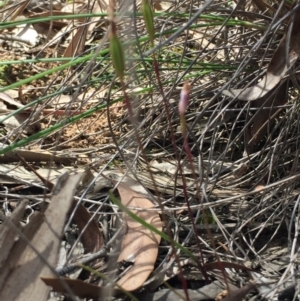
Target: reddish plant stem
x=201, y=268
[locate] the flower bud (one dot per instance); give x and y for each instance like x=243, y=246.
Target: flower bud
x=148, y=17
x=184, y=98
x=117, y=55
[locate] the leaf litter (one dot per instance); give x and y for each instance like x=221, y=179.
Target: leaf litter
x=167, y=187
x=282, y=61
x=35, y=253
x=267, y=96
x=140, y=245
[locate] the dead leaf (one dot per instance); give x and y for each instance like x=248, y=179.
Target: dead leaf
x=101, y=6
x=78, y=287
x=48, y=29
x=9, y=100
x=277, y=68
x=20, y=120
x=87, y=290
x=44, y=232
x=7, y=234
x=77, y=43
x=91, y=238
x=265, y=118
x=265, y=7
x=157, y=5
x=19, y=10
x=240, y=170
x=48, y=184
x=161, y=5
x=221, y=265
x=139, y=245
x=38, y=6
x=259, y=187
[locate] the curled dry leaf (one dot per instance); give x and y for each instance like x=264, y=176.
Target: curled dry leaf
x=140, y=245
x=78, y=41
x=265, y=118
x=91, y=238
x=78, y=287
x=277, y=69
x=263, y=94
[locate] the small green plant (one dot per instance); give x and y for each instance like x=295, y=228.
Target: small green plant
x=206, y=219
x=4, y=74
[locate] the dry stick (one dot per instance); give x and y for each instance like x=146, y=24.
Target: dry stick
x=48, y=184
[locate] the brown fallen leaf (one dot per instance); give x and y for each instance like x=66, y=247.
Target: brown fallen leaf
x=220, y=265
x=43, y=232
x=78, y=287
x=19, y=10
x=48, y=28
x=48, y=184
x=77, y=43
x=157, y=5
x=139, y=245
x=259, y=187
x=91, y=238
x=7, y=234
x=264, y=119
x=87, y=290
x=265, y=7
x=277, y=68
